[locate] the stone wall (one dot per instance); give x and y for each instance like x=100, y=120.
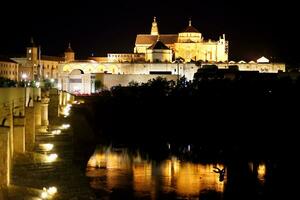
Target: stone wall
x=53, y=104
x=4, y=156
x=110, y=80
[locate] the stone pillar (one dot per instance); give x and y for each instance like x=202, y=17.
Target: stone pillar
x=37, y=113
x=19, y=134
x=37, y=94
x=9, y=118
x=44, y=111
x=53, y=107
x=72, y=98
x=29, y=128
x=5, y=157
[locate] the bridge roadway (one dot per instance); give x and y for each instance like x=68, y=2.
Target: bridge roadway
x=33, y=170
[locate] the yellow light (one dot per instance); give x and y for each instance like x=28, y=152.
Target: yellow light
x=56, y=132
x=65, y=126
x=261, y=172
x=52, y=157
x=59, y=86
x=52, y=190
x=44, y=195
x=46, y=147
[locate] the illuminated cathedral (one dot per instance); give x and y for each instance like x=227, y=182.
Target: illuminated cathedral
x=188, y=45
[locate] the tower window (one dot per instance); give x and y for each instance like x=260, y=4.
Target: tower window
x=29, y=51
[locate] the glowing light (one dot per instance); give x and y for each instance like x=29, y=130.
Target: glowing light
x=52, y=80
x=76, y=102
x=185, y=178
x=56, y=132
x=261, y=172
x=37, y=84
x=44, y=195
x=65, y=126
x=24, y=76
x=66, y=110
x=263, y=60
x=52, y=190
x=46, y=147
x=48, y=193
x=59, y=86
x=52, y=157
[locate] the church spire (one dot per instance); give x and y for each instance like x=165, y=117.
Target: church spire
x=32, y=43
x=69, y=49
x=190, y=21
x=154, y=29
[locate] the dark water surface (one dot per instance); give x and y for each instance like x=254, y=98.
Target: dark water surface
x=119, y=173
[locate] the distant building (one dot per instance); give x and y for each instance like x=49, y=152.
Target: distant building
x=98, y=59
x=155, y=54
x=35, y=66
x=188, y=44
x=158, y=52
x=125, y=57
x=8, y=68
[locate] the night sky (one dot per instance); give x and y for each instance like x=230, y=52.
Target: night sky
x=253, y=28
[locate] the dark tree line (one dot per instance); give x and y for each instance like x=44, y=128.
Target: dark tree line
x=217, y=113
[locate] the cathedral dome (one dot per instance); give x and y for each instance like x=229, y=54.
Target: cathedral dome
x=190, y=28
x=190, y=35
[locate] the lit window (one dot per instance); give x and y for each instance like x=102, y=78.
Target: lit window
x=29, y=51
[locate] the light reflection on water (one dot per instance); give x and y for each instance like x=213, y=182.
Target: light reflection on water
x=110, y=170
x=261, y=172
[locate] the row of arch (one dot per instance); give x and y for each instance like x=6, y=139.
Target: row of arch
x=88, y=68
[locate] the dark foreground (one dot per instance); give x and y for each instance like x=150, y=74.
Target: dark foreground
x=247, y=126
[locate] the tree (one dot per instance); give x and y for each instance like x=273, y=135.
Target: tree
x=98, y=85
x=5, y=82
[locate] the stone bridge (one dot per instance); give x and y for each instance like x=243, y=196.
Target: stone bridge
x=23, y=113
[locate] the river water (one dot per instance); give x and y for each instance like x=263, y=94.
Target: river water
x=123, y=174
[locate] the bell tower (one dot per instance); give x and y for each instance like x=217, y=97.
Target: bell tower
x=32, y=52
x=154, y=28
x=69, y=54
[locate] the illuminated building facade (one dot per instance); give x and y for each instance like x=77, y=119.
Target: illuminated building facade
x=154, y=55
x=8, y=68
x=36, y=66
x=188, y=44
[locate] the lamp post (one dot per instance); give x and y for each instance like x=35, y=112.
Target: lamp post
x=24, y=78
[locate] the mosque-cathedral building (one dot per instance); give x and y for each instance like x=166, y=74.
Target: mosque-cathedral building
x=155, y=54
x=188, y=45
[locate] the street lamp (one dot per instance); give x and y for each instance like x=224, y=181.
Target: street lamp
x=24, y=76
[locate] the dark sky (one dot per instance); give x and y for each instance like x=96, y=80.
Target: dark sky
x=253, y=28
